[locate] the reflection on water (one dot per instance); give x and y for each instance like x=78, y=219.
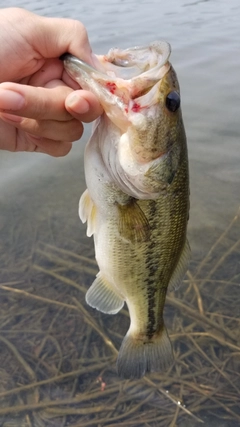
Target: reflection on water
x=57, y=356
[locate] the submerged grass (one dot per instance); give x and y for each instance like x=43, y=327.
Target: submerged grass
x=57, y=356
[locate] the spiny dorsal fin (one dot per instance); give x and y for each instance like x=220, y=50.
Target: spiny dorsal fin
x=181, y=268
x=133, y=224
x=87, y=212
x=102, y=296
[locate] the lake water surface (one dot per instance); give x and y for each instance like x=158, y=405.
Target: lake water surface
x=44, y=251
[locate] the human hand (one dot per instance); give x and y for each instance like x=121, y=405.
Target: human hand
x=39, y=111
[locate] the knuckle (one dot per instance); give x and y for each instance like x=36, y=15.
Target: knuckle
x=37, y=127
x=58, y=149
x=64, y=149
x=75, y=130
x=80, y=29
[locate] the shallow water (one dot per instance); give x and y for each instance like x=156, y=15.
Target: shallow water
x=39, y=198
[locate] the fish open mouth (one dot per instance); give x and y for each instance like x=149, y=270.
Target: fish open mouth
x=132, y=62
x=127, y=64
x=127, y=74
x=126, y=82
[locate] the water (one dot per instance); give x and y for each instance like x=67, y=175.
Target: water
x=38, y=219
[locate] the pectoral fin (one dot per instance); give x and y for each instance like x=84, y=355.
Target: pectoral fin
x=181, y=268
x=87, y=212
x=133, y=224
x=102, y=296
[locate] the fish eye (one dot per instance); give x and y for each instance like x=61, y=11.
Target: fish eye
x=173, y=101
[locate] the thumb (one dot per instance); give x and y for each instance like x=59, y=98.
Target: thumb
x=83, y=105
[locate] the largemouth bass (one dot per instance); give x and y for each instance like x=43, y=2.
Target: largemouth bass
x=137, y=200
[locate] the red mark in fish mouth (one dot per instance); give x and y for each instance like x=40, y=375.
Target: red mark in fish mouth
x=111, y=87
x=136, y=107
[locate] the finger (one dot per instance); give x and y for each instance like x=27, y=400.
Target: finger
x=51, y=70
x=53, y=148
x=49, y=37
x=83, y=105
x=29, y=143
x=56, y=36
x=13, y=139
x=7, y=136
x=40, y=38
x=51, y=129
x=35, y=102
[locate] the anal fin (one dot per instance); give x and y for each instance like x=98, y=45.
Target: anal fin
x=133, y=224
x=102, y=296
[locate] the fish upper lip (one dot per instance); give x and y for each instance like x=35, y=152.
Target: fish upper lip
x=162, y=48
x=68, y=58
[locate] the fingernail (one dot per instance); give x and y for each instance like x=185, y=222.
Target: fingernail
x=78, y=104
x=10, y=100
x=11, y=117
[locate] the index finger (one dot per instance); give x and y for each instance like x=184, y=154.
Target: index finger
x=40, y=102
x=56, y=36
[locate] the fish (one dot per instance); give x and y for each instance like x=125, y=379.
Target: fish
x=136, y=204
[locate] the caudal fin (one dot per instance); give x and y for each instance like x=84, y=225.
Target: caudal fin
x=137, y=357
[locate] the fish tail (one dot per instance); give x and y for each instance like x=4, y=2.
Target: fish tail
x=137, y=356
